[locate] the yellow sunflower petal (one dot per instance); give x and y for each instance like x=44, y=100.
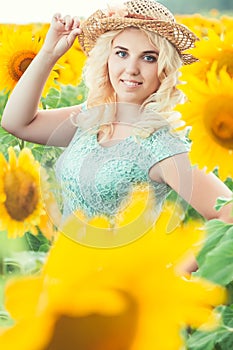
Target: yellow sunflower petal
x=28, y=288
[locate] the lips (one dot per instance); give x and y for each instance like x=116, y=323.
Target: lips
x=131, y=83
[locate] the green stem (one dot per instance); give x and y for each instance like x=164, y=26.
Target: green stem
x=21, y=144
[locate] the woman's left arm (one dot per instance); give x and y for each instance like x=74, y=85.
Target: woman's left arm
x=198, y=187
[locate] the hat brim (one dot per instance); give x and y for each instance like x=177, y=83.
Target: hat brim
x=177, y=34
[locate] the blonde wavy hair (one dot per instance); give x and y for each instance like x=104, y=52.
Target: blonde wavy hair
x=156, y=111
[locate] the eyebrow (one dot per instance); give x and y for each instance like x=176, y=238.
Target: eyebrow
x=144, y=52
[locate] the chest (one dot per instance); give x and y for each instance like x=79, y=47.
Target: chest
x=98, y=178
x=120, y=132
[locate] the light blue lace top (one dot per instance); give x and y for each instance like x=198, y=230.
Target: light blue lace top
x=98, y=179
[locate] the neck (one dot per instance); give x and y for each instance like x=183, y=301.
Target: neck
x=127, y=112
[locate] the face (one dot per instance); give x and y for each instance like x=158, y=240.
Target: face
x=133, y=67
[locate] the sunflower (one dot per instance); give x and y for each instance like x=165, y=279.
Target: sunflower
x=209, y=111
x=201, y=25
x=71, y=65
x=40, y=30
x=214, y=48
x=21, y=203
x=120, y=298
x=17, y=50
x=227, y=21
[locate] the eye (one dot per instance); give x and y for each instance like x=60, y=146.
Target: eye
x=121, y=53
x=150, y=58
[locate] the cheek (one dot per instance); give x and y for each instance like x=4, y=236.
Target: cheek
x=154, y=79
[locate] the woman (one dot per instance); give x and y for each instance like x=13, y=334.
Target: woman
x=125, y=133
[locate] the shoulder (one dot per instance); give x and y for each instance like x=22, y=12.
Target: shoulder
x=163, y=147
x=164, y=143
x=166, y=133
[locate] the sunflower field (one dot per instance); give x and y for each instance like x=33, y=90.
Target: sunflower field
x=56, y=294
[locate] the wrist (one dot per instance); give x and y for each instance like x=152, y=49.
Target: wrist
x=48, y=56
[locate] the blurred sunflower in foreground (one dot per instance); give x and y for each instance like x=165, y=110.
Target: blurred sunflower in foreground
x=209, y=111
x=129, y=297
x=22, y=206
x=17, y=50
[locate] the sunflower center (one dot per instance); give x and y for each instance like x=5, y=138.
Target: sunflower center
x=19, y=63
x=21, y=194
x=219, y=121
x=95, y=332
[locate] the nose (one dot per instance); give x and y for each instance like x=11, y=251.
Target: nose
x=132, y=66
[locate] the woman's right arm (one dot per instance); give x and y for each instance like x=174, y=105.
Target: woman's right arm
x=21, y=116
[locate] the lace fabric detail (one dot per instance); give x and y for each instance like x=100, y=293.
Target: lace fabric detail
x=98, y=180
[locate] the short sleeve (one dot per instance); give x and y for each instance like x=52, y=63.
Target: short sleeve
x=163, y=144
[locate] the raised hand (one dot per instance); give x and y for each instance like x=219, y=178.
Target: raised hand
x=61, y=35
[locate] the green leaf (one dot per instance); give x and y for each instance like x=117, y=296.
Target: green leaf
x=33, y=241
x=229, y=183
x=221, y=202
x=224, y=340
x=44, y=248
x=218, y=264
x=220, y=338
x=227, y=315
x=215, y=230
x=202, y=340
x=52, y=99
x=7, y=140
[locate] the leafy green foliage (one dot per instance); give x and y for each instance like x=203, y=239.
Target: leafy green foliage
x=220, y=338
x=38, y=243
x=216, y=264
x=216, y=257
x=222, y=258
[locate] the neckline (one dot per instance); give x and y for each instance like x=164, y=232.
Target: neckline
x=120, y=142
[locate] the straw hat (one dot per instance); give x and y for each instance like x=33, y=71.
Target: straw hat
x=146, y=14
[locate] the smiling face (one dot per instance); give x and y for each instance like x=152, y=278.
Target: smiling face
x=133, y=67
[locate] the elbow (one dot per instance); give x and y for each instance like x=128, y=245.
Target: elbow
x=7, y=126
x=10, y=128
x=4, y=121
x=10, y=125
x=4, y=124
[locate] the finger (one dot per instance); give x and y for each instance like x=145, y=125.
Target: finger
x=76, y=22
x=68, y=22
x=72, y=36
x=56, y=17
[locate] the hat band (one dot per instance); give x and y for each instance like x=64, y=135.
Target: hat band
x=137, y=16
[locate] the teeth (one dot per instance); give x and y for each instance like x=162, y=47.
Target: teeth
x=130, y=83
